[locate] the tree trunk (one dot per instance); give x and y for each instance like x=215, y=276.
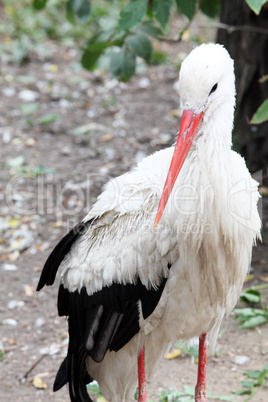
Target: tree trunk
x=249, y=49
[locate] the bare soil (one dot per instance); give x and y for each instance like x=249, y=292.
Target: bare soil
x=125, y=122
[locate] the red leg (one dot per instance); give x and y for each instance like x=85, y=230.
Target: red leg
x=200, y=389
x=141, y=376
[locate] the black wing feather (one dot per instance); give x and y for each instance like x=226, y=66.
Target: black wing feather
x=56, y=257
x=105, y=320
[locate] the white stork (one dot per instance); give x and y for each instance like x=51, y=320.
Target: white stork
x=143, y=270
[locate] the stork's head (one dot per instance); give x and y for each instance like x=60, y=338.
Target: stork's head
x=206, y=80
x=206, y=83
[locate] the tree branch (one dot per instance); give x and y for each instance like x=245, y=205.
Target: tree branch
x=218, y=25
x=234, y=28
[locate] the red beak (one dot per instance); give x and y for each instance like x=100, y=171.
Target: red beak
x=190, y=124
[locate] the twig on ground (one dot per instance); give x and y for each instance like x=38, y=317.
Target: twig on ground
x=24, y=377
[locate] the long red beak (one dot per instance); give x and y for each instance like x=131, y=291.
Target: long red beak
x=190, y=124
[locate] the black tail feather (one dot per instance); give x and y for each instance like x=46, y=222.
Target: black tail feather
x=62, y=375
x=79, y=378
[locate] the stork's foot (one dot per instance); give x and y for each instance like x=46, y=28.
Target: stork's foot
x=200, y=394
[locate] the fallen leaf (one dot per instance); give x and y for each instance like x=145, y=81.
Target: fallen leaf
x=264, y=278
x=249, y=278
x=29, y=290
x=186, y=35
x=106, y=137
x=85, y=129
x=13, y=256
x=175, y=113
x=39, y=383
x=16, y=162
x=13, y=223
x=173, y=354
x=57, y=224
x=48, y=118
x=53, y=68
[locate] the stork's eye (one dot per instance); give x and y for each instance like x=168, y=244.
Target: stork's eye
x=213, y=89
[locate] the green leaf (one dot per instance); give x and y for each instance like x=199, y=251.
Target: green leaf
x=250, y=312
x=187, y=7
x=29, y=108
x=93, y=388
x=254, y=322
x=150, y=29
x=248, y=384
x=123, y=64
x=210, y=7
x=92, y=53
x=189, y=390
x=256, y=5
x=262, y=376
x=262, y=114
x=70, y=15
x=16, y=162
x=252, y=374
x=141, y=45
x=161, y=10
x=81, y=8
x=48, y=118
x=39, y=170
x=131, y=15
x=229, y=398
x=39, y=4
x=243, y=392
x=158, y=57
x=251, y=296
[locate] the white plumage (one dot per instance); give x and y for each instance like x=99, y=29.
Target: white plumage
x=202, y=243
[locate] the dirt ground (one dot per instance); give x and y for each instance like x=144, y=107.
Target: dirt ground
x=101, y=128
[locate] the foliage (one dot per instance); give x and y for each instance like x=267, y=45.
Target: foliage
x=173, y=395
x=24, y=31
x=94, y=390
x=256, y=5
x=261, y=114
x=188, y=350
x=124, y=31
x=187, y=395
x=251, y=317
x=257, y=380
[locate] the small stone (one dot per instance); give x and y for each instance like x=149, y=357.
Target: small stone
x=6, y=137
x=140, y=155
x=10, y=321
x=9, y=267
x=9, y=92
x=39, y=322
x=241, y=360
x=28, y=96
x=144, y=82
x=12, y=304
